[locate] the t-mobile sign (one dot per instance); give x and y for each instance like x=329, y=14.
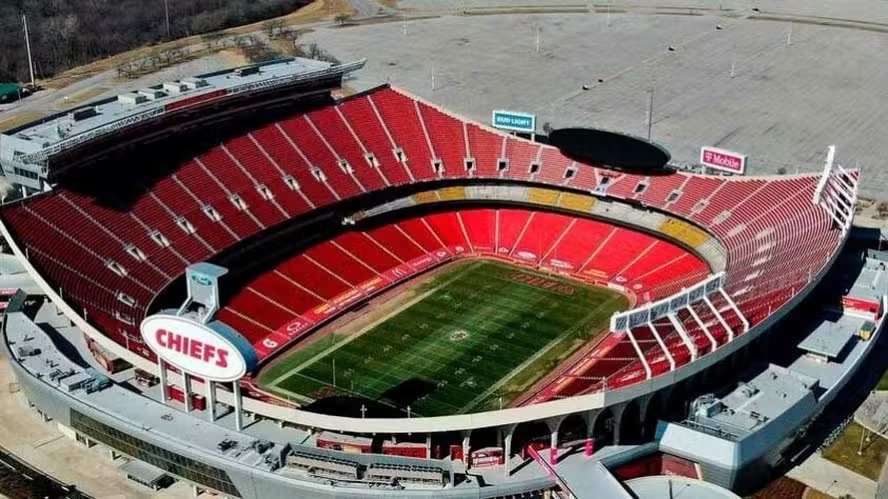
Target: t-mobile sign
x=720, y=159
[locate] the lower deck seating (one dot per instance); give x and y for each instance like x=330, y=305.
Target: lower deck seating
x=334, y=273
x=111, y=248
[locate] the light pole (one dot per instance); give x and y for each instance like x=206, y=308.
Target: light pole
x=650, y=120
x=166, y=11
x=28, y=48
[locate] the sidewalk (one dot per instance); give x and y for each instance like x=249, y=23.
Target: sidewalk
x=882, y=486
x=830, y=478
x=41, y=445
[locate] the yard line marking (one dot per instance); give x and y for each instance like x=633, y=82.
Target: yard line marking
x=555, y=341
x=525, y=324
x=370, y=326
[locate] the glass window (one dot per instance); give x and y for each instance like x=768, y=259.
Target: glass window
x=164, y=459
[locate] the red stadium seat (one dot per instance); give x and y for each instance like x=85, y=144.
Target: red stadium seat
x=110, y=260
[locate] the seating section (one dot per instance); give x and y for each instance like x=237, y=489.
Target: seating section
x=336, y=272
x=323, y=465
x=406, y=474
x=110, y=257
x=332, y=466
x=684, y=232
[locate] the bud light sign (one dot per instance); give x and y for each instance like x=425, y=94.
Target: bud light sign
x=720, y=159
x=511, y=120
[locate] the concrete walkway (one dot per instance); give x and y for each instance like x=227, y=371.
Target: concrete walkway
x=830, y=478
x=882, y=486
x=40, y=444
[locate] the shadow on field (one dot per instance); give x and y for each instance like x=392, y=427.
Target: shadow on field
x=408, y=392
x=392, y=403
x=351, y=407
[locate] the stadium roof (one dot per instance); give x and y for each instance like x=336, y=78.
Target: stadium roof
x=651, y=487
x=35, y=350
x=873, y=413
x=143, y=472
x=828, y=340
x=589, y=480
x=57, y=132
x=829, y=373
x=870, y=284
x=756, y=403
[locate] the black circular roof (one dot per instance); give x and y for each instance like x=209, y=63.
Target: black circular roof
x=611, y=149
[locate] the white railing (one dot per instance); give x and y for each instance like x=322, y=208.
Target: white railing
x=659, y=309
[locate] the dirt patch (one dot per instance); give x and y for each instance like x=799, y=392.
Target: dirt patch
x=233, y=57
x=18, y=119
x=554, y=9
x=79, y=98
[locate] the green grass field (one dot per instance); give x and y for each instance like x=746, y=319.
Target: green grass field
x=844, y=452
x=475, y=333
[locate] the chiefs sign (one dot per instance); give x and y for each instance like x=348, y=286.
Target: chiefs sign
x=194, y=348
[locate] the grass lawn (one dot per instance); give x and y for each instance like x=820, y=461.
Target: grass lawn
x=478, y=331
x=844, y=452
x=883, y=381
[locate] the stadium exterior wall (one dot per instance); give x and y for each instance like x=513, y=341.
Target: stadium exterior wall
x=251, y=483
x=490, y=419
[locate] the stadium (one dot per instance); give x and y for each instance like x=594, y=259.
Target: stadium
x=367, y=293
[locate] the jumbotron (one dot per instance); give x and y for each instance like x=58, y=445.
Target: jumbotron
x=274, y=289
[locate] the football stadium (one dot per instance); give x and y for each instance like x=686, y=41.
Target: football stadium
x=264, y=286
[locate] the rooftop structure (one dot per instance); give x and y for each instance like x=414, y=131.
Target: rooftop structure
x=655, y=487
x=26, y=151
x=873, y=414
x=753, y=404
x=747, y=430
x=828, y=340
x=264, y=175
x=85, y=390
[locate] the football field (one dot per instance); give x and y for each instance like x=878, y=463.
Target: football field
x=474, y=336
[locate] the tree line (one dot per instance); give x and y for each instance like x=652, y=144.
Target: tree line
x=69, y=33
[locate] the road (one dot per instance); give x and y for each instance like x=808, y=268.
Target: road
x=830, y=478
x=369, y=8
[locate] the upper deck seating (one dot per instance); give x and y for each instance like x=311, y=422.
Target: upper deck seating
x=109, y=259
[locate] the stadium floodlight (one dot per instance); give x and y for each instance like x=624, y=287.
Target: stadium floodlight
x=28, y=48
x=166, y=11
x=650, y=114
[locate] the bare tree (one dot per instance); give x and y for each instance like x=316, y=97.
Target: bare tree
x=547, y=128
x=272, y=28
x=65, y=34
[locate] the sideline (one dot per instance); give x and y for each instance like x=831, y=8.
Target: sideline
x=368, y=327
